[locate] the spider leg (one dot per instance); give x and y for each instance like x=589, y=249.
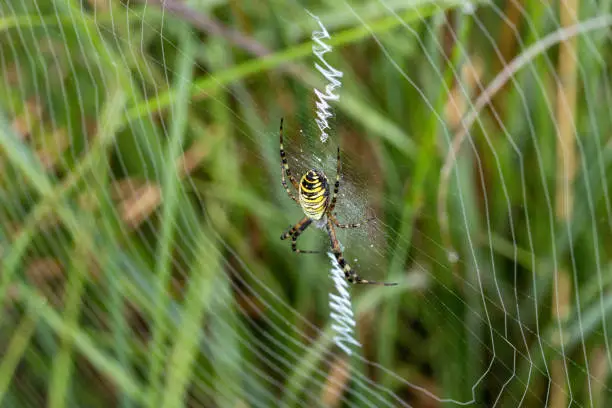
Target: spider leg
x=353, y=225
x=349, y=274
x=294, y=232
x=332, y=205
x=285, y=168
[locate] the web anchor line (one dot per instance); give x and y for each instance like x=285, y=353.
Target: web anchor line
x=330, y=73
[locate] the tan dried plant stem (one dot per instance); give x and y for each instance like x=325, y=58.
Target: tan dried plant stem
x=337, y=381
x=565, y=175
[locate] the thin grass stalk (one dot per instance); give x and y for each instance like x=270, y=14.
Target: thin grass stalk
x=171, y=189
x=17, y=347
x=200, y=294
x=61, y=371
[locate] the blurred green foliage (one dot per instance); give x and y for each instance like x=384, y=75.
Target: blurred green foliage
x=141, y=205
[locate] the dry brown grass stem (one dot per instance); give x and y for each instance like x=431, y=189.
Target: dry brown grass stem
x=339, y=375
x=565, y=175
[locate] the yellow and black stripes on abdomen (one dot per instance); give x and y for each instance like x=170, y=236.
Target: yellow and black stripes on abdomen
x=314, y=194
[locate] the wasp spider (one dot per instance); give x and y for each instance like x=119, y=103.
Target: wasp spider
x=314, y=198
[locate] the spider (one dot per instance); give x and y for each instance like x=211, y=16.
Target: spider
x=314, y=198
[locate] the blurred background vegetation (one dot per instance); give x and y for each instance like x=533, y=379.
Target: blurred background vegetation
x=141, y=204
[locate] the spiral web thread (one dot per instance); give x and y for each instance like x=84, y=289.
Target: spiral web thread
x=145, y=295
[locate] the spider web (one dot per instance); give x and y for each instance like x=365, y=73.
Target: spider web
x=141, y=204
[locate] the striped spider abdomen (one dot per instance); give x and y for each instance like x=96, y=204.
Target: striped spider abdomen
x=314, y=194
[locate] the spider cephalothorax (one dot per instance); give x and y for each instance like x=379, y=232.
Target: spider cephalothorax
x=314, y=198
